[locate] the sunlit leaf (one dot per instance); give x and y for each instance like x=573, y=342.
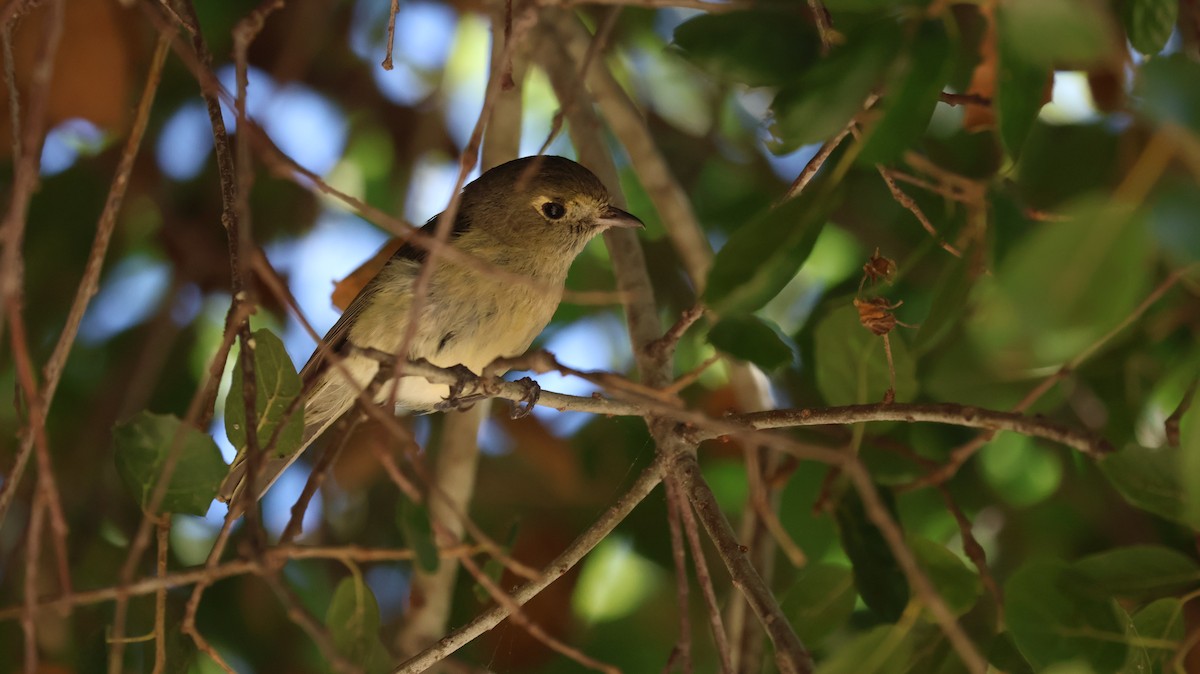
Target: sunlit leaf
x=753, y=339
x=413, y=521
x=852, y=365
x=763, y=255
x=613, y=582
x=1148, y=23
x=908, y=105
x=276, y=387
x=353, y=622
x=143, y=445
x=754, y=47
x=1057, y=614
x=820, y=601
x=1141, y=571
x=880, y=581
x=1019, y=469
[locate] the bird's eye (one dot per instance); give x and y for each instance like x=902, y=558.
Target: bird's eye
x=553, y=210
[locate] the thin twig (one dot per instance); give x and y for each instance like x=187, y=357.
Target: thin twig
x=1171, y=425
x=878, y=514
x=559, y=566
x=682, y=652
x=518, y=616
x=944, y=413
x=160, y=597
x=391, y=35
x=703, y=577
x=791, y=657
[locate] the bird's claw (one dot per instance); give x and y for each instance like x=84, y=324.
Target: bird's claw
x=456, y=400
x=533, y=393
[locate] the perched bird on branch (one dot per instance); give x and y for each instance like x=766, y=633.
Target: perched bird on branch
x=527, y=218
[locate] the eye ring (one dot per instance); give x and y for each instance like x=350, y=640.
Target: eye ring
x=553, y=210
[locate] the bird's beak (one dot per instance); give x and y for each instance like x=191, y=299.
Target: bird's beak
x=615, y=217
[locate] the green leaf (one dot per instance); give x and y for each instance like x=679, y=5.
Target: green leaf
x=1189, y=450
x=1058, y=33
x=885, y=649
x=851, y=364
x=754, y=47
x=1148, y=23
x=1172, y=219
x=276, y=386
x=1021, y=470
x=1021, y=89
x=763, y=255
x=820, y=601
x=1167, y=91
x=413, y=522
x=753, y=339
x=1156, y=624
x=1003, y=655
x=1141, y=571
x=142, y=447
x=908, y=106
x=1063, y=286
x=949, y=305
x=1056, y=614
x=822, y=102
x=958, y=585
x=353, y=622
x=1149, y=479
x=877, y=575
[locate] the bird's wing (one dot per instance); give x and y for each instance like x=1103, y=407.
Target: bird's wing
x=334, y=342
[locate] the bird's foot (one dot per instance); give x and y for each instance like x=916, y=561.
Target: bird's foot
x=533, y=393
x=457, y=400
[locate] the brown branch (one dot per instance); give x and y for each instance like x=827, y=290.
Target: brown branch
x=907, y=202
x=33, y=546
x=559, y=566
x=790, y=655
x=307, y=622
x=703, y=5
x=239, y=567
x=518, y=616
x=943, y=413
x=160, y=597
x=682, y=652
x=878, y=514
x=1171, y=425
x=703, y=577
x=391, y=35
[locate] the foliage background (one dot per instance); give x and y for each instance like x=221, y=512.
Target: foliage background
x=1051, y=147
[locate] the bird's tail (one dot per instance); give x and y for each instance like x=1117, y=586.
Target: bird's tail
x=268, y=471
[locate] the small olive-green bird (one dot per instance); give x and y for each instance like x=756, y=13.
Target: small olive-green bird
x=531, y=217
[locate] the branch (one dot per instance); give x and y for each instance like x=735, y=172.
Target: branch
x=790, y=655
x=603, y=526
x=942, y=413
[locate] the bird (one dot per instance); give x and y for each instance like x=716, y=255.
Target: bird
x=529, y=217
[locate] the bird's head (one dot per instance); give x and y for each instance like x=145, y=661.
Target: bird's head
x=542, y=206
